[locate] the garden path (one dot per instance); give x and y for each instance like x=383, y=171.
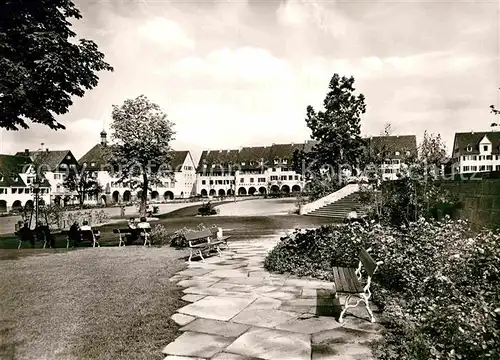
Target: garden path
x=239, y=311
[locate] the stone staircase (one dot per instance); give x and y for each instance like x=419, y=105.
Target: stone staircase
x=340, y=208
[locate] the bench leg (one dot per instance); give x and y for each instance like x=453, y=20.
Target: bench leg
x=201, y=255
x=218, y=250
x=362, y=298
x=19, y=245
x=67, y=243
x=190, y=255
x=44, y=244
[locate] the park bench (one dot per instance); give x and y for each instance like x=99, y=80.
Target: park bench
x=216, y=235
x=348, y=281
x=83, y=235
x=122, y=233
x=203, y=241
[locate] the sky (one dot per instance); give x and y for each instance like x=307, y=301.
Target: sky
x=241, y=73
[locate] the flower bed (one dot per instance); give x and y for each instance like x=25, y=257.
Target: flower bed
x=439, y=285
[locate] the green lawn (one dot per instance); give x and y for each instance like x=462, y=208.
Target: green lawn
x=102, y=303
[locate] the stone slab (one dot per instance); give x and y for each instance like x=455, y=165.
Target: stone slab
x=309, y=326
x=192, y=297
x=216, y=327
x=341, y=352
x=197, y=282
x=263, y=317
x=193, y=272
x=229, y=356
x=203, y=291
x=281, y=295
x=217, y=307
x=265, y=303
x=272, y=344
x=229, y=273
x=173, y=357
x=343, y=335
x=311, y=284
x=181, y=319
x=197, y=345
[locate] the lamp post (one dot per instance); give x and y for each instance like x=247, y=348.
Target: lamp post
x=36, y=190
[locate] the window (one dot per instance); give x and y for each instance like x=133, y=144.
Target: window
x=395, y=162
x=388, y=171
x=485, y=148
x=275, y=161
x=284, y=169
x=84, y=164
x=397, y=153
x=203, y=182
x=242, y=163
x=408, y=153
x=497, y=168
x=273, y=178
x=463, y=157
x=211, y=182
x=474, y=157
x=480, y=157
x=465, y=168
x=473, y=168
x=219, y=182
x=68, y=157
x=213, y=165
x=242, y=180
x=489, y=167
x=496, y=157
x=290, y=177
x=204, y=166
x=261, y=180
x=21, y=191
x=387, y=162
x=57, y=176
x=285, y=161
x=489, y=157
x=92, y=164
x=1, y=191
x=283, y=177
x=13, y=191
x=172, y=184
x=274, y=169
x=296, y=177
x=469, y=148
x=482, y=168
x=251, y=180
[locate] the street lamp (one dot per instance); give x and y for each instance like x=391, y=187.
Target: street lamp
x=36, y=190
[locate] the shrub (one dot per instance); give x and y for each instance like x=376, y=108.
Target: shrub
x=159, y=235
x=439, y=285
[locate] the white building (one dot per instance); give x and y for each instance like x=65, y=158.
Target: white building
x=476, y=152
x=17, y=177
x=55, y=165
x=96, y=161
x=395, y=151
x=249, y=171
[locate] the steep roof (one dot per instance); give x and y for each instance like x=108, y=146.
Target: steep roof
x=51, y=158
x=283, y=151
x=393, y=144
x=10, y=168
x=178, y=158
x=472, y=139
x=99, y=155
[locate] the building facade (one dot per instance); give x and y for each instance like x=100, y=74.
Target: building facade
x=249, y=171
x=17, y=183
x=97, y=163
x=476, y=152
x=394, y=153
x=55, y=165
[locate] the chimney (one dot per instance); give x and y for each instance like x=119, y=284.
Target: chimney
x=47, y=149
x=27, y=152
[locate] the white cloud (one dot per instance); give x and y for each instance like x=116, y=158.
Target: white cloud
x=167, y=32
x=247, y=64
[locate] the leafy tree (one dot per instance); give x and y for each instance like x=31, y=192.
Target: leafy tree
x=142, y=152
x=494, y=111
x=337, y=131
x=41, y=67
x=431, y=152
x=82, y=183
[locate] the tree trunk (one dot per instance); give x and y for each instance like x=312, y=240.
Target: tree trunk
x=144, y=196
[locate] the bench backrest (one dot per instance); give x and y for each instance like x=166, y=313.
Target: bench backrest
x=368, y=263
x=87, y=235
x=198, y=236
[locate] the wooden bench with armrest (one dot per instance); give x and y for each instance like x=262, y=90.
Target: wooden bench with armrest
x=348, y=281
x=81, y=236
x=217, y=234
x=123, y=233
x=202, y=241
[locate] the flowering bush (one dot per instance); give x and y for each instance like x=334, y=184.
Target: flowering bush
x=178, y=239
x=439, y=285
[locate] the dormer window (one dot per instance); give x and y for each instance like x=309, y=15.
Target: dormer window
x=397, y=153
x=204, y=166
x=92, y=164
x=242, y=163
x=84, y=164
x=1, y=178
x=469, y=148
x=213, y=166
x=285, y=161
x=275, y=161
x=68, y=157
x=408, y=153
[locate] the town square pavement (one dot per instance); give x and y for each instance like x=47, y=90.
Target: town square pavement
x=238, y=311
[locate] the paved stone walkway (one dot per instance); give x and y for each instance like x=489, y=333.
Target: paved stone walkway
x=238, y=311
